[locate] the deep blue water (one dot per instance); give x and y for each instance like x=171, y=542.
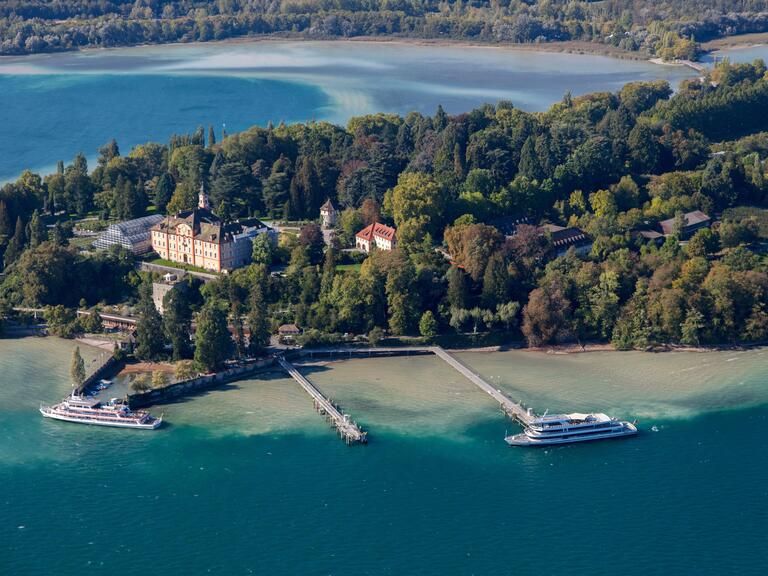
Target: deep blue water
x=53, y=117
x=55, y=106
x=688, y=500
x=249, y=479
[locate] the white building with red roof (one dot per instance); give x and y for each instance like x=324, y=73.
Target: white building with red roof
x=376, y=235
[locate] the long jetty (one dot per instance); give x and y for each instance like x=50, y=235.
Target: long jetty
x=511, y=408
x=514, y=410
x=349, y=431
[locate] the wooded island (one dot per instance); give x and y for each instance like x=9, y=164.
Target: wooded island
x=637, y=217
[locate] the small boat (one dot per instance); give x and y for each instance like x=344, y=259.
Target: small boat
x=103, y=384
x=92, y=411
x=567, y=428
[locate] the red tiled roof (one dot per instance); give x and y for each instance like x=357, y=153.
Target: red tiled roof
x=377, y=230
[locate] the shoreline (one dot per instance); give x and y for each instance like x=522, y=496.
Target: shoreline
x=577, y=47
x=739, y=41
x=552, y=349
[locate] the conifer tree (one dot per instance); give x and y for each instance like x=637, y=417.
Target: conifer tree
x=77, y=368
x=36, y=230
x=149, y=328
x=213, y=342
x=177, y=322
x=428, y=325
x=163, y=191
x=5, y=221
x=16, y=245
x=258, y=322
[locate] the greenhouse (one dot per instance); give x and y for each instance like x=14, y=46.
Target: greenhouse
x=131, y=234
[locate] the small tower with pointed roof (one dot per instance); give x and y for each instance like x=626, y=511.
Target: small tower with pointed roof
x=202, y=199
x=328, y=214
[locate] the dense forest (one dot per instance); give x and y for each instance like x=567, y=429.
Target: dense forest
x=608, y=163
x=669, y=29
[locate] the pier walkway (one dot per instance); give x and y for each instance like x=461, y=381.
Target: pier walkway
x=513, y=409
x=347, y=429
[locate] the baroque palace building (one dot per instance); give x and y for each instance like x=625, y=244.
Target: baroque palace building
x=200, y=238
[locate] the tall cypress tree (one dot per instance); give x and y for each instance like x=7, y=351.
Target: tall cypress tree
x=5, y=221
x=16, y=245
x=258, y=322
x=150, y=339
x=177, y=322
x=213, y=342
x=329, y=270
x=77, y=368
x=36, y=230
x=163, y=191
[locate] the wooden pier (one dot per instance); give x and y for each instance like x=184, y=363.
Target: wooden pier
x=349, y=431
x=511, y=408
x=514, y=410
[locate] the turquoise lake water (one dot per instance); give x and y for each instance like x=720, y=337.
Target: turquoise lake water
x=248, y=479
x=58, y=105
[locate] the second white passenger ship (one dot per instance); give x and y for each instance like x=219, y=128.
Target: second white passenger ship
x=566, y=428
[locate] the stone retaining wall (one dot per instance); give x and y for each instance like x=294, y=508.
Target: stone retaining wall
x=186, y=387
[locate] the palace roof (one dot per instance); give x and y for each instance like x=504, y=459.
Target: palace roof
x=205, y=225
x=377, y=230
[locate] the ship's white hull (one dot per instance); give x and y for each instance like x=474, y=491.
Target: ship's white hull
x=113, y=424
x=524, y=440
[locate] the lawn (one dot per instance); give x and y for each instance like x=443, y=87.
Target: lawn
x=348, y=267
x=171, y=264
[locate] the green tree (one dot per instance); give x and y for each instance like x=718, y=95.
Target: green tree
x=604, y=304
x=375, y=336
x=258, y=320
x=692, y=327
x=36, y=230
x=428, y=325
x=506, y=313
x=142, y=383
x=213, y=342
x=458, y=292
x=16, y=245
x=77, y=368
x=93, y=322
x=78, y=188
x=416, y=198
x=159, y=379
x=495, y=281
x=644, y=149
x=5, y=222
x=177, y=322
x=185, y=370
x=163, y=191
x=545, y=316
x=150, y=340
x=262, y=252
x=402, y=299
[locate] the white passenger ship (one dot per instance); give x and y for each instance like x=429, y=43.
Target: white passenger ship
x=91, y=411
x=566, y=428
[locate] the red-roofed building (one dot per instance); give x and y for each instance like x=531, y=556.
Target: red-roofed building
x=376, y=235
